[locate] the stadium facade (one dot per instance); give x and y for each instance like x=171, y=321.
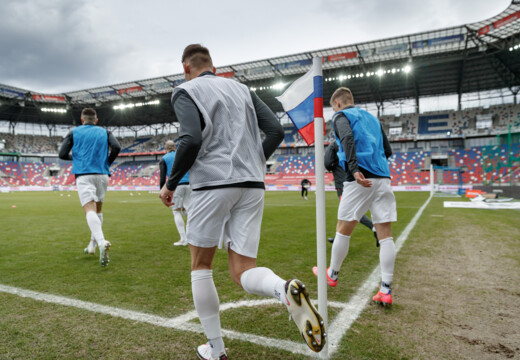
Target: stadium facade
x=391, y=77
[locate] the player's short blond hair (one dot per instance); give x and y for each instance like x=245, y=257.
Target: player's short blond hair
x=169, y=145
x=89, y=116
x=344, y=95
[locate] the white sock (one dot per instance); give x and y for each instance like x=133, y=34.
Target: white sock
x=338, y=254
x=179, y=222
x=95, y=227
x=387, y=262
x=264, y=282
x=100, y=216
x=217, y=347
x=205, y=298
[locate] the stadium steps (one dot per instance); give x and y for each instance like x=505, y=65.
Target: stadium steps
x=2, y=181
x=149, y=170
x=24, y=176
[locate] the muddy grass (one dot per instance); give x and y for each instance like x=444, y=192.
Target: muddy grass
x=458, y=294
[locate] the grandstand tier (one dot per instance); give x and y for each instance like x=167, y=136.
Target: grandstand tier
x=464, y=59
x=479, y=165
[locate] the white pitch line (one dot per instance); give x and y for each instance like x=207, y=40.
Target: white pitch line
x=337, y=329
x=182, y=322
x=344, y=320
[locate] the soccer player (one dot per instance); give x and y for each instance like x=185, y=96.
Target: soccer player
x=363, y=153
x=332, y=164
x=181, y=198
x=220, y=122
x=91, y=166
x=306, y=184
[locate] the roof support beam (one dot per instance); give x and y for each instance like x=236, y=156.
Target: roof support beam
x=378, y=99
x=461, y=73
x=507, y=75
x=415, y=83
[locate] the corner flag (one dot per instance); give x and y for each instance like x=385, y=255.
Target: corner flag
x=303, y=103
x=302, y=99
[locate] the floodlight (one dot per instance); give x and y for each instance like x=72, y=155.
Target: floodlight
x=132, y=105
x=380, y=72
x=407, y=69
x=54, y=110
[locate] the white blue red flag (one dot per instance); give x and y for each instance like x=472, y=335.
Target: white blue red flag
x=303, y=101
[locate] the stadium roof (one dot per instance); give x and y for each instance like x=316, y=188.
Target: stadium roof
x=457, y=60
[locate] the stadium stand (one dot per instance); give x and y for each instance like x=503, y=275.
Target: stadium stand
x=295, y=165
x=34, y=173
x=411, y=168
x=440, y=124
x=11, y=173
x=407, y=168
x=145, y=144
x=31, y=144
x=383, y=72
x=293, y=139
x=135, y=173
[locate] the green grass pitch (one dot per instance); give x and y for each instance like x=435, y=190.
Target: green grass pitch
x=41, y=249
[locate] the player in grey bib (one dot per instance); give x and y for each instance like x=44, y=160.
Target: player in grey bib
x=220, y=123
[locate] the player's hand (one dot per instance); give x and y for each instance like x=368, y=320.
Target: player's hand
x=166, y=196
x=360, y=179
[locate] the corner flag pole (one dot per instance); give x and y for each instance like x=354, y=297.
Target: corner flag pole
x=320, y=194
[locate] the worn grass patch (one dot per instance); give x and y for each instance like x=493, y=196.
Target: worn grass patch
x=456, y=283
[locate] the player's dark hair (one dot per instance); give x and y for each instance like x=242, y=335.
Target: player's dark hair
x=197, y=56
x=89, y=115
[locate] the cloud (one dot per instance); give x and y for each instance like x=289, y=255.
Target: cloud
x=62, y=45
x=52, y=45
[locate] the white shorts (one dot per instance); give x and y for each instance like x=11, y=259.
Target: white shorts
x=229, y=215
x=379, y=199
x=181, y=197
x=92, y=188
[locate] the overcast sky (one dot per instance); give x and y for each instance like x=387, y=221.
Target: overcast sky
x=55, y=46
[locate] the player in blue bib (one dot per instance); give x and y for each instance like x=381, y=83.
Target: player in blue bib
x=182, y=195
x=363, y=150
x=91, y=162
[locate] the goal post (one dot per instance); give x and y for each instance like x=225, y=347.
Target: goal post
x=445, y=180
